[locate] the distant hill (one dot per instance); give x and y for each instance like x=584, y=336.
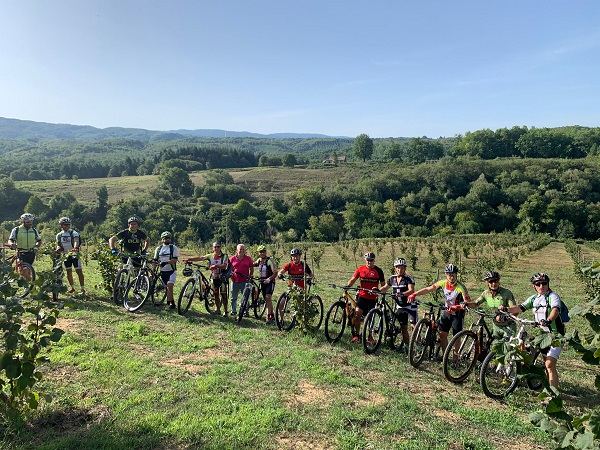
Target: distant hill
x=27, y=129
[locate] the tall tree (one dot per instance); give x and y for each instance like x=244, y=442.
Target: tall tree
x=363, y=147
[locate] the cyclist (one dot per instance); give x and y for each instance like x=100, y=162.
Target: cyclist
x=26, y=240
x=402, y=286
x=218, y=263
x=455, y=295
x=243, y=268
x=267, y=271
x=167, y=254
x=546, y=306
x=296, y=269
x=131, y=240
x=68, y=240
x=495, y=296
x=370, y=277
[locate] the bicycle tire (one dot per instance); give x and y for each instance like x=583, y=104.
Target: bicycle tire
x=536, y=383
x=419, y=342
x=335, y=321
x=186, y=296
x=497, y=380
x=467, y=355
x=58, y=284
x=208, y=291
x=137, y=293
x=120, y=285
x=285, y=318
x=244, y=304
x=393, y=330
x=159, y=291
x=373, y=328
x=316, y=316
x=260, y=304
x=19, y=281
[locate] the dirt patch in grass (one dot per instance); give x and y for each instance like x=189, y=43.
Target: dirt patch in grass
x=311, y=394
x=303, y=442
x=71, y=420
x=185, y=362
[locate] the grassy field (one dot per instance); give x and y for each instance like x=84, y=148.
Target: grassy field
x=156, y=380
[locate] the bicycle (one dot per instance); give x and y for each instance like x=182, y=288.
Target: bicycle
x=340, y=314
x=466, y=348
x=381, y=317
x=499, y=375
x=23, y=273
x=425, y=339
x=147, y=284
x=196, y=284
x=285, y=311
x=252, y=297
x=126, y=273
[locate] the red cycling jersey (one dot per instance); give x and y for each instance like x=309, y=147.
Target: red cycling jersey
x=369, y=279
x=296, y=272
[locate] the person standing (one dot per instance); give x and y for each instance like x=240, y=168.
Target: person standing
x=296, y=269
x=26, y=240
x=243, y=268
x=402, y=286
x=496, y=296
x=218, y=263
x=370, y=277
x=167, y=253
x=68, y=241
x=267, y=272
x=132, y=240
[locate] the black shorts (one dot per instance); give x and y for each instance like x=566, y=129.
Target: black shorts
x=267, y=288
x=27, y=257
x=72, y=262
x=166, y=275
x=448, y=321
x=218, y=283
x=365, y=304
x=407, y=315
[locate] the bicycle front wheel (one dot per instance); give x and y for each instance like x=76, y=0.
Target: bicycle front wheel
x=244, y=304
x=372, y=331
x=260, y=304
x=497, y=380
x=316, y=312
x=120, y=285
x=209, y=297
x=460, y=356
x=137, y=293
x=335, y=322
x=159, y=291
x=185, y=296
x=285, y=316
x=536, y=382
x=419, y=342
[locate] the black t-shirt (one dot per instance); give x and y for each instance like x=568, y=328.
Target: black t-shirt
x=132, y=242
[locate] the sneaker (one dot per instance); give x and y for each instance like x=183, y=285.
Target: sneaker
x=224, y=314
x=71, y=291
x=354, y=339
x=233, y=313
x=371, y=341
x=270, y=319
x=246, y=314
x=172, y=305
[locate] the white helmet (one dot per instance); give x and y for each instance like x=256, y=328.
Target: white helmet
x=27, y=216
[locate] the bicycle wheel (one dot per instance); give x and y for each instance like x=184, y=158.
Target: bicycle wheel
x=285, y=316
x=372, y=331
x=185, y=296
x=458, y=364
x=58, y=284
x=393, y=331
x=137, y=293
x=497, y=380
x=24, y=279
x=260, y=304
x=535, y=382
x=120, y=285
x=316, y=312
x=244, y=304
x=159, y=291
x=209, y=296
x=335, y=321
x=419, y=342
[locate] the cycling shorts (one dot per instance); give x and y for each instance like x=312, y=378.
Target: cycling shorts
x=448, y=321
x=73, y=262
x=365, y=304
x=168, y=276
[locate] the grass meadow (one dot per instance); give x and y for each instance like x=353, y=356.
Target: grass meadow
x=157, y=380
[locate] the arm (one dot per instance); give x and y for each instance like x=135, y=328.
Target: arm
x=112, y=241
x=352, y=280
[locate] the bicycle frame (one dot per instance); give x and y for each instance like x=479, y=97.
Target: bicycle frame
x=190, y=288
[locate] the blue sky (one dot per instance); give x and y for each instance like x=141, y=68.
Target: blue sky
x=337, y=67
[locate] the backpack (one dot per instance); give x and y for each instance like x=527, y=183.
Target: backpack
x=170, y=256
x=72, y=238
x=228, y=271
x=564, y=311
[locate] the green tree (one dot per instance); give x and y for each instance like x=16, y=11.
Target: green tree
x=323, y=228
x=289, y=160
x=363, y=147
x=176, y=179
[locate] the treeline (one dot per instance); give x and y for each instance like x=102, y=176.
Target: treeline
x=557, y=197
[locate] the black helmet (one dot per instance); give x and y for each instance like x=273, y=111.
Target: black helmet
x=295, y=251
x=133, y=219
x=450, y=268
x=539, y=277
x=370, y=256
x=491, y=275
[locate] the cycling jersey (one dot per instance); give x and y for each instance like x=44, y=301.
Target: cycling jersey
x=25, y=238
x=296, y=272
x=66, y=239
x=166, y=253
x=542, y=306
x=453, y=294
x=369, y=279
x=401, y=285
x=503, y=297
x=132, y=242
x=221, y=259
x=266, y=268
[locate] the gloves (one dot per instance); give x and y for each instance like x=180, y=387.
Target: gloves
x=163, y=264
x=75, y=250
x=213, y=267
x=144, y=253
x=186, y=261
x=454, y=308
x=281, y=277
x=545, y=322
x=114, y=251
x=412, y=297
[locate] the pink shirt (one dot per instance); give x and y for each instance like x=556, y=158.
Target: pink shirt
x=242, y=266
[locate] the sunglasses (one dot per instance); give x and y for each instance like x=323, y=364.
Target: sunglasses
x=217, y=246
x=493, y=281
x=540, y=283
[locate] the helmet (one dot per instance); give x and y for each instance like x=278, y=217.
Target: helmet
x=491, y=275
x=261, y=248
x=27, y=216
x=64, y=220
x=165, y=234
x=370, y=256
x=216, y=244
x=451, y=268
x=133, y=219
x=295, y=251
x=539, y=277
x=400, y=262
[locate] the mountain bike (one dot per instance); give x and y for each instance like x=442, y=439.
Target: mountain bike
x=381, y=321
x=285, y=311
x=252, y=297
x=126, y=273
x=196, y=285
x=23, y=273
x=466, y=348
x=499, y=374
x=147, y=284
x=425, y=339
x=340, y=314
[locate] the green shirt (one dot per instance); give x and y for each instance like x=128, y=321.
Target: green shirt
x=503, y=297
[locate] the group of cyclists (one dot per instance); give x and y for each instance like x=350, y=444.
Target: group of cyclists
x=545, y=303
